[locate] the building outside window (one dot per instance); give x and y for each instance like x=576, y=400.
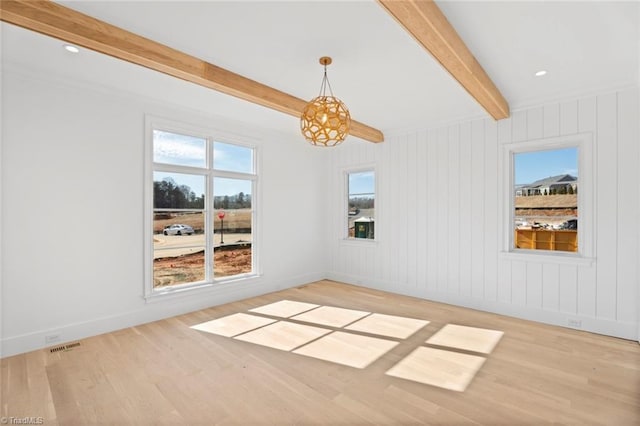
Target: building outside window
x=361, y=196
x=546, y=199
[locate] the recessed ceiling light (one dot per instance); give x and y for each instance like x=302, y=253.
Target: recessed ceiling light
x=541, y=73
x=71, y=48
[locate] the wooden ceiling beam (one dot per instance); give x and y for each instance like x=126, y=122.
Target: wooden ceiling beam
x=55, y=20
x=424, y=20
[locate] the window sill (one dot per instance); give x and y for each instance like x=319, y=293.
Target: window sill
x=358, y=242
x=197, y=288
x=544, y=256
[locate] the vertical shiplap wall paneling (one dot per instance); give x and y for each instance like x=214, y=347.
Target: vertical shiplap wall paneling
x=333, y=212
x=606, y=213
x=476, y=211
x=518, y=282
x=628, y=180
x=348, y=252
x=504, y=265
x=383, y=230
x=441, y=223
x=550, y=272
x=390, y=200
x=422, y=218
x=519, y=133
x=431, y=163
x=465, y=196
x=551, y=287
x=491, y=210
x=587, y=110
x=345, y=252
x=519, y=126
x=412, y=212
x=394, y=236
x=358, y=257
x=350, y=255
x=363, y=254
x=568, y=118
x=534, y=285
x=535, y=123
x=568, y=278
x=368, y=157
x=401, y=214
x=398, y=238
x=342, y=252
x=337, y=214
x=453, y=203
x=442, y=164
x=568, y=274
x=551, y=121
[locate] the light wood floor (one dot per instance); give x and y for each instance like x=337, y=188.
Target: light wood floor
x=168, y=373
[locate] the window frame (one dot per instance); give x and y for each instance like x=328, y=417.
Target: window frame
x=344, y=206
x=586, y=229
x=211, y=135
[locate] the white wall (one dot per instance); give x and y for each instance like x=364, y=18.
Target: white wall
x=438, y=218
x=72, y=214
x=1, y=198
x=72, y=211
x=638, y=217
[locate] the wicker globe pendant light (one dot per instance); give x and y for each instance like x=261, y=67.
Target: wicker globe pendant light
x=325, y=120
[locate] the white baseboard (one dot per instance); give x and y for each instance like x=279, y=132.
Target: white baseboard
x=149, y=312
x=623, y=330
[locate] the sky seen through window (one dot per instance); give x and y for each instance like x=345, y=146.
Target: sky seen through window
x=532, y=166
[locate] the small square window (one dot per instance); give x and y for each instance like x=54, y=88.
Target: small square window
x=361, y=204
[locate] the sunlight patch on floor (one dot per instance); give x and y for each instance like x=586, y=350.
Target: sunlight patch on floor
x=331, y=316
x=388, y=325
x=284, y=308
x=444, y=369
x=233, y=325
x=466, y=338
x=347, y=349
x=283, y=335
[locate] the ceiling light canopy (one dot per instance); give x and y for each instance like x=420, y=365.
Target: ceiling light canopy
x=325, y=120
x=541, y=73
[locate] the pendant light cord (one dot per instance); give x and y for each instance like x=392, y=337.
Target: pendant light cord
x=325, y=83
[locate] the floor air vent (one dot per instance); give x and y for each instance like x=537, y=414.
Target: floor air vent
x=65, y=347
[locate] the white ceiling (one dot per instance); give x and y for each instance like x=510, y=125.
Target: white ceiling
x=386, y=79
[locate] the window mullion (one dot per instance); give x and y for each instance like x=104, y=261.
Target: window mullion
x=208, y=226
x=160, y=167
x=233, y=175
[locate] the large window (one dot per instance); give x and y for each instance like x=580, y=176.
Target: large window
x=201, y=209
x=361, y=198
x=549, y=194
